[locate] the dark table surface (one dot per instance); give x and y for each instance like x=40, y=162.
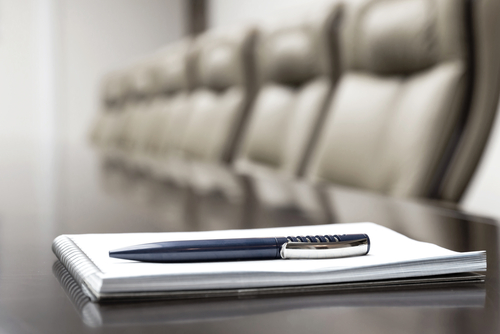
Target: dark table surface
x=64, y=190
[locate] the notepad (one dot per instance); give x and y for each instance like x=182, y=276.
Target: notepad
x=392, y=256
x=128, y=314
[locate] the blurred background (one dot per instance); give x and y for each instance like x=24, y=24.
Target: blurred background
x=53, y=57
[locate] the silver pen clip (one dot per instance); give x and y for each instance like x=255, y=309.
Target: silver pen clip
x=326, y=250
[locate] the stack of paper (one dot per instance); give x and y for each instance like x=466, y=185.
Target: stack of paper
x=392, y=256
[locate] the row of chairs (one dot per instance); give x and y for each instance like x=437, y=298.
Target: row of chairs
x=386, y=95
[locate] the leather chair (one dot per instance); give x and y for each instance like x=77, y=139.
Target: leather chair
x=110, y=103
x=476, y=126
x=297, y=69
x=206, y=126
x=98, y=125
x=212, y=117
x=116, y=133
x=405, y=85
x=219, y=104
x=135, y=126
x=165, y=115
x=175, y=79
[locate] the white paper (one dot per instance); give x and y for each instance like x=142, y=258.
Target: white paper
x=391, y=255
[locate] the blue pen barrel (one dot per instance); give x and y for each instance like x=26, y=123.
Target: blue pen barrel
x=204, y=250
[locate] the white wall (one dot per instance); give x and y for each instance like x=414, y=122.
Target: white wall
x=100, y=35
x=19, y=67
x=97, y=36
x=482, y=196
x=21, y=80
x=53, y=54
x=224, y=13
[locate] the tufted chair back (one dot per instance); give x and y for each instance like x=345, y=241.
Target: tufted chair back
x=297, y=69
x=112, y=97
x=137, y=109
x=173, y=80
x=225, y=86
x=404, y=87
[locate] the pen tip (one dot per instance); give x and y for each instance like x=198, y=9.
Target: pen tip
x=136, y=252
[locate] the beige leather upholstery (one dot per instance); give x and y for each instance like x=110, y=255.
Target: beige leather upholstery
x=175, y=80
x=204, y=126
x=402, y=90
x=157, y=114
x=296, y=66
x=138, y=107
x=225, y=85
x=111, y=101
x=116, y=89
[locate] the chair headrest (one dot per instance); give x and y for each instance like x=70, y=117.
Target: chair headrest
x=292, y=52
x=222, y=58
x=113, y=87
x=399, y=37
x=171, y=67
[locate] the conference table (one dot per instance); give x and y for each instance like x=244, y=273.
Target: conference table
x=76, y=192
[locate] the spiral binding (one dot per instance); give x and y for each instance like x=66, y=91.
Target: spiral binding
x=75, y=261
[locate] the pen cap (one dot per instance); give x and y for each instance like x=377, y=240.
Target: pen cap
x=326, y=246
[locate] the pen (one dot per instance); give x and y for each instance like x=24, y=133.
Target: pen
x=300, y=247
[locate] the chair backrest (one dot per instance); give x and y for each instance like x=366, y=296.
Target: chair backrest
x=116, y=96
x=220, y=101
x=137, y=110
x=112, y=95
x=296, y=67
x=403, y=87
x=173, y=76
x=485, y=22
x=153, y=111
